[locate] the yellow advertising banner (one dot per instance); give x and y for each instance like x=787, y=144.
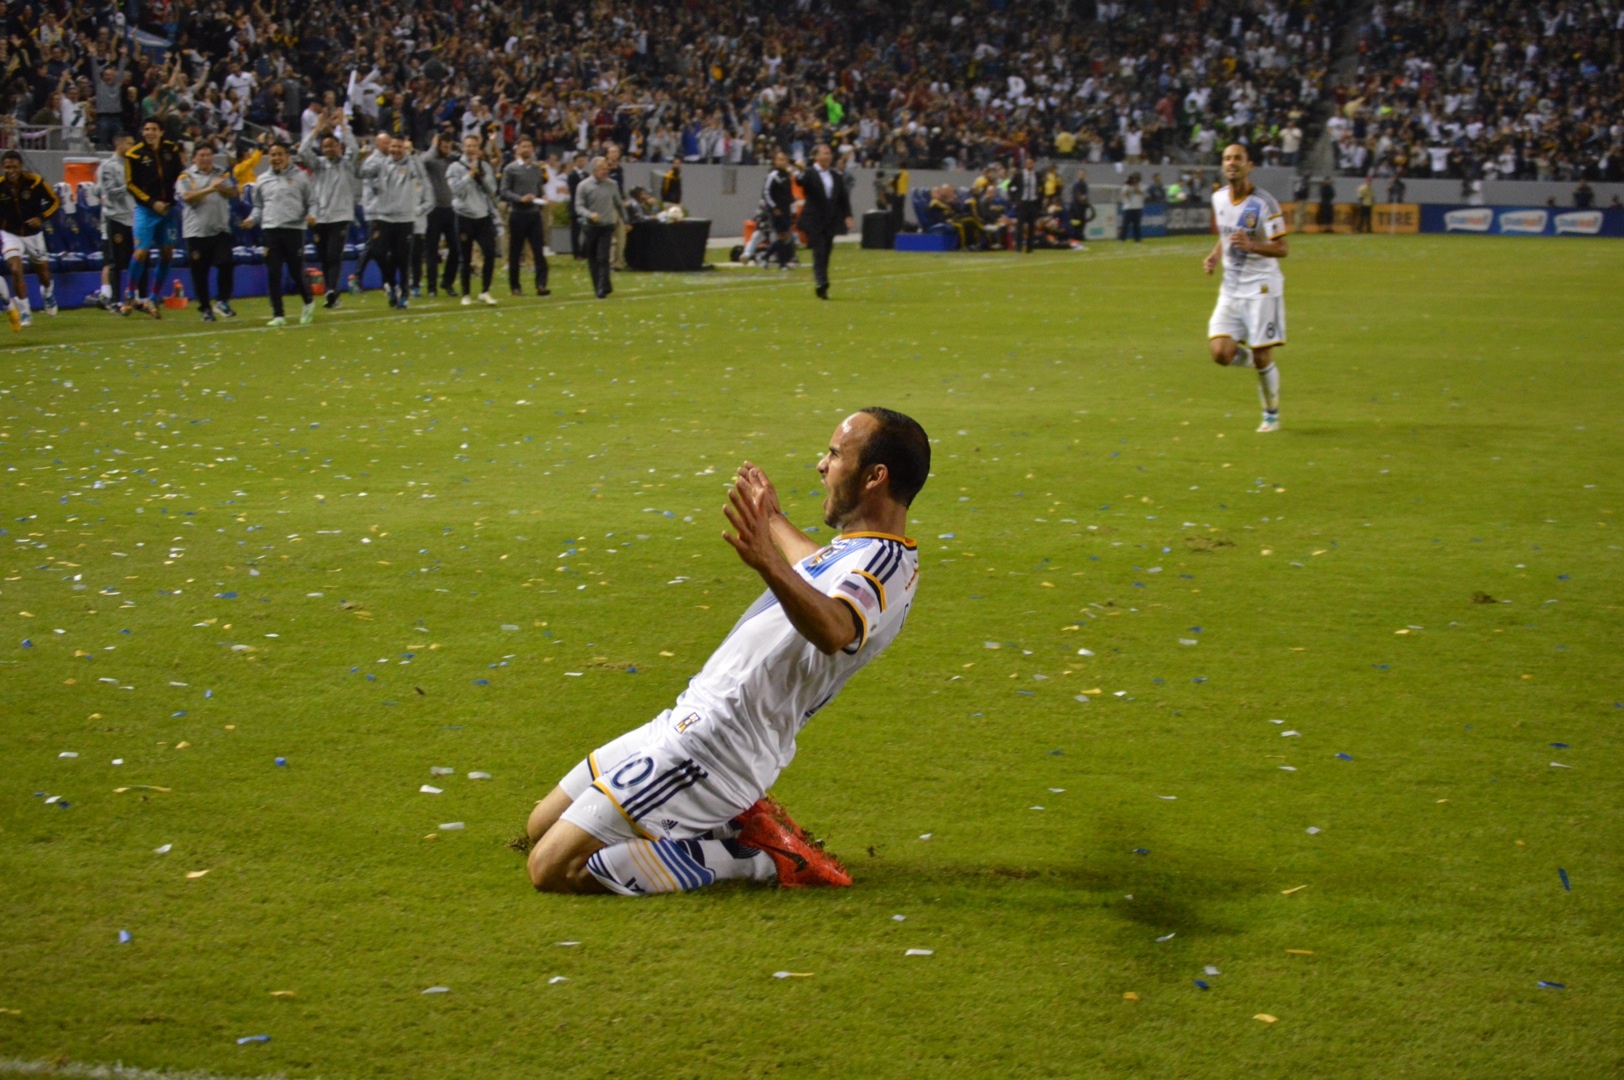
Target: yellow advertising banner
x=1391, y=218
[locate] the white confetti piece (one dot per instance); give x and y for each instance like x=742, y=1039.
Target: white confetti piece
x=556, y=979
x=926, y=836
x=1210, y=970
x=438, y=990
x=479, y=776
x=68, y=754
x=118, y=761
x=1277, y=721
x=452, y=826
x=1559, y=765
x=441, y=770
x=1168, y=937
x=1085, y=652
x=1188, y=641
x=1168, y=798
x=566, y=944
x=1037, y=808
x=1289, y=734
x=1058, y=790
x=920, y=952
x=164, y=850
x=1313, y=830
x=899, y=918
x=1288, y=768
x=429, y=789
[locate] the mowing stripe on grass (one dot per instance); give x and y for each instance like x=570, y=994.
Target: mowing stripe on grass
x=115, y=1071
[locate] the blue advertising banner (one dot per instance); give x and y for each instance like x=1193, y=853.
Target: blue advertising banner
x=1521, y=221
x=1177, y=219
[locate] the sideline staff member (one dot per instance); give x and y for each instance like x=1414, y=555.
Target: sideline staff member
x=597, y=203
x=826, y=213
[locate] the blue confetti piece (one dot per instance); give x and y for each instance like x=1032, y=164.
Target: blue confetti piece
x=1560, y=745
x=281, y=761
x=1052, y=753
x=124, y=937
x=208, y=693
x=1380, y=667
x=246, y=1039
x=1543, y=985
x=1201, y=984
x=1141, y=851
x=63, y=804
x=482, y=682
x=1345, y=757
x=225, y=596
x=371, y=677
x=1563, y=874
x=631, y=670
x=27, y=644
x=181, y=712
x=1561, y=577
x=1024, y=693
x=1199, y=679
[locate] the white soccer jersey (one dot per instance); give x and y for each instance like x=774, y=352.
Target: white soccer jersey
x=739, y=716
x=1247, y=275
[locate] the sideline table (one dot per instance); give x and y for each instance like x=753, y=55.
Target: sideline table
x=676, y=245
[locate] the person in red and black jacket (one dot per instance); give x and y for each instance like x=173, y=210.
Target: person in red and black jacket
x=26, y=200
x=151, y=168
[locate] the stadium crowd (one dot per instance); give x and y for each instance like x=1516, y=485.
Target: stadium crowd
x=916, y=84
x=1485, y=89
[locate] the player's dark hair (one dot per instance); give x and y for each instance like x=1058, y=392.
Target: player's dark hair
x=11, y=155
x=900, y=444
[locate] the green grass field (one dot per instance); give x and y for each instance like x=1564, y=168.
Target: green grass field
x=488, y=540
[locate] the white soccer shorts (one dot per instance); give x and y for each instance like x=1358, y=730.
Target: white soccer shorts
x=1260, y=321
x=26, y=248
x=643, y=786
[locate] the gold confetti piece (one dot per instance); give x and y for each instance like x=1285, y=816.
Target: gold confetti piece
x=432, y=836
x=12, y=1012
x=1522, y=843
x=1443, y=800
x=26, y=614
x=193, y=875
x=1130, y=996
x=1288, y=892
x=1266, y=1018
x=282, y=993
x=231, y=727
x=139, y=787
x=1048, y=584
x=664, y=653
x=183, y=745
x=1096, y=690
x=1401, y=631
x=1299, y=952
x=1321, y=551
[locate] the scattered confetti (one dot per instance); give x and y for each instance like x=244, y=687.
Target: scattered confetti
x=429, y=789
x=1314, y=830
x=926, y=836
x=556, y=979
x=1563, y=874
x=565, y=944
x=283, y=993
x=193, y=875
x=899, y=918
x=1288, y=892
x=1201, y=984
x=920, y=952
x=246, y=1039
x=68, y=754
x=1168, y=937
x=452, y=826
x=1266, y=1018
x=164, y=850
x=792, y=974
x=441, y=770
x=1168, y=798
x=1130, y=996
x=1543, y=985
x=124, y=937
x=1345, y=757
x=1211, y=970
x=438, y=990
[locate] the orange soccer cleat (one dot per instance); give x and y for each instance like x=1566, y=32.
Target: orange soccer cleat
x=801, y=861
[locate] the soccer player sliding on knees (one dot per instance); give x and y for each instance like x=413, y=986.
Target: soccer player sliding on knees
x=1250, y=318
x=681, y=802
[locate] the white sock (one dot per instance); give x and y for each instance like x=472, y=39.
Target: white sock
x=48, y=293
x=644, y=867
x=1243, y=355
x=22, y=305
x=107, y=291
x=1268, y=388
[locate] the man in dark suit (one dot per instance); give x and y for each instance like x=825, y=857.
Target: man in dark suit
x=577, y=174
x=826, y=213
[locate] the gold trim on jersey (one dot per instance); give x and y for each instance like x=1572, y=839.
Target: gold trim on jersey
x=861, y=618
x=878, y=586
x=903, y=540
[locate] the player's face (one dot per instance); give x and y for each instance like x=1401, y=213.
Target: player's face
x=152, y=133
x=839, y=467
x=1236, y=164
x=332, y=149
x=14, y=168
x=279, y=158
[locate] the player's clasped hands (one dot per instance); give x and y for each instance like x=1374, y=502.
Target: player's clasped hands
x=752, y=505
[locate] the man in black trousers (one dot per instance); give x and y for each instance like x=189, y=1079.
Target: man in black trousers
x=1027, y=187
x=598, y=205
x=826, y=213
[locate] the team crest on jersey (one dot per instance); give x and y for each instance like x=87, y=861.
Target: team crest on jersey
x=819, y=558
x=1249, y=219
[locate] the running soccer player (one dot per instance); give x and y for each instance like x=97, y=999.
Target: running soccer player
x=26, y=200
x=680, y=802
x=1250, y=319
